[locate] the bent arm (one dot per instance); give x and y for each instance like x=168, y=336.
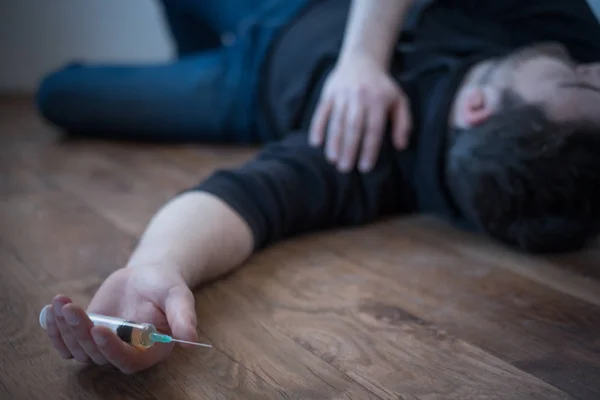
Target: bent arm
x=288, y=189
x=372, y=29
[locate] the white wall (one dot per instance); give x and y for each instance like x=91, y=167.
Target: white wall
x=39, y=35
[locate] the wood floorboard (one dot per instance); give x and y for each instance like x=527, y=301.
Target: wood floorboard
x=401, y=309
x=334, y=310
x=251, y=339
x=504, y=313
x=71, y=241
x=4, y=393
x=575, y=274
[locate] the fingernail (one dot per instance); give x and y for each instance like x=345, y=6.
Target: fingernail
x=345, y=165
x=331, y=156
x=70, y=317
x=99, y=338
x=58, y=310
x=365, y=166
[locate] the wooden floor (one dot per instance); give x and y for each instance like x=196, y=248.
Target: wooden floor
x=404, y=309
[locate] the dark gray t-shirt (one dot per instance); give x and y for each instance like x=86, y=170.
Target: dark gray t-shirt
x=290, y=188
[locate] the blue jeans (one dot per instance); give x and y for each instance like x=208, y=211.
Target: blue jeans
x=209, y=94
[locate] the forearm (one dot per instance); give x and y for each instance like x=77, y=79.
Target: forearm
x=373, y=28
x=288, y=189
x=198, y=235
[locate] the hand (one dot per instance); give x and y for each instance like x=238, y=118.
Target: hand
x=357, y=100
x=153, y=295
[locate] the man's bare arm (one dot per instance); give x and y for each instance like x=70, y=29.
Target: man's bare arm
x=373, y=28
x=213, y=229
x=196, y=234
x=210, y=230
x=360, y=97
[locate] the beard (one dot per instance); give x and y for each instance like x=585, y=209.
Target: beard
x=550, y=49
x=501, y=69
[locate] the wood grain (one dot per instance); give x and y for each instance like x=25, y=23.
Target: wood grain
x=69, y=239
x=403, y=309
x=355, y=321
x=573, y=274
x=268, y=352
x=507, y=314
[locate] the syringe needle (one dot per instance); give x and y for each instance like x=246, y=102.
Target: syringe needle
x=194, y=343
x=162, y=338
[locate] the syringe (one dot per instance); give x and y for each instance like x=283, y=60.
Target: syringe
x=141, y=335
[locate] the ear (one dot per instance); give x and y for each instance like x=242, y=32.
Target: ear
x=478, y=106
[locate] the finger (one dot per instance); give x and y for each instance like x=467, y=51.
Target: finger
x=402, y=124
x=372, y=141
x=352, y=136
x=180, y=308
x=335, y=131
x=70, y=341
x=81, y=325
x=55, y=336
x=319, y=122
x=126, y=358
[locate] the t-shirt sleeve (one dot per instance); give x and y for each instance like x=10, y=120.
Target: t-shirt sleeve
x=571, y=22
x=289, y=188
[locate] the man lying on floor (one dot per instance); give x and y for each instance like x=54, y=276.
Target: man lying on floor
x=505, y=142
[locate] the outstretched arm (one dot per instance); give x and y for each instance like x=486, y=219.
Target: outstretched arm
x=193, y=238
x=198, y=236
x=288, y=189
x=360, y=97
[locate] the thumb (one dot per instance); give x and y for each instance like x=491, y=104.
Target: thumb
x=181, y=313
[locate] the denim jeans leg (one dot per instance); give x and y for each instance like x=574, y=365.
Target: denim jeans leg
x=209, y=96
x=190, y=30
x=191, y=99
x=253, y=39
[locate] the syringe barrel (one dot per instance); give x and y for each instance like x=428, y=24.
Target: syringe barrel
x=133, y=333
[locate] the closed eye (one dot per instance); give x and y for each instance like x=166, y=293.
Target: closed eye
x=581, y=85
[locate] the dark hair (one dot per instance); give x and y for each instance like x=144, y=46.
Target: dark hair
x=526, y=181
